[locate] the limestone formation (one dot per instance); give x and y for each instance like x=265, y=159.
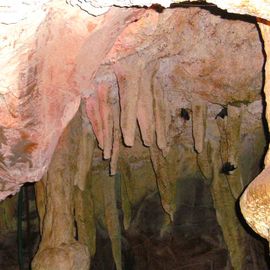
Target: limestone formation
x=255, y=199
x=33, y=114
x=258, y=8
x=58, y=248
x=132, y=70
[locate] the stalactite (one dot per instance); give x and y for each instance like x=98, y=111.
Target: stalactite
x=239, y=242
x=84, y=207
x=233, y=139
x=128, y=72
x=222, y=126
x=160, y=167
x=116, y=138
x=85, y=151
x=126, y=204
x=93, y=113
x=234, y=235
x=205, y=163
x=233, y=131
x=106, y=117
x=112, y=218
x=199, y=113
x=85, y=219
x=229, y=129
x=145, y=114
x=160, y=112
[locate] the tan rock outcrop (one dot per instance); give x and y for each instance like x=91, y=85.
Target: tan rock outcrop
x=258, y=8
x=33, y=113
x=136, y=69
x=255, y=200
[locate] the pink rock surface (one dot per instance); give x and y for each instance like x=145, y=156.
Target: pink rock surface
x=166, y=61
x=55, y=65
x=58, y=63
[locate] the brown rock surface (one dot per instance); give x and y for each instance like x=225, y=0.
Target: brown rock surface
x=137, y=70
x=46, y=94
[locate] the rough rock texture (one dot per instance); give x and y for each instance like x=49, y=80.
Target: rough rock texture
x=55, y=193
x=177, y=67
x=258, y=8
x=203, y=72
x=41, y=85
x=150, y=240
x=255, y=200
x=201, y=79
x=27, y=104
x=202, y=94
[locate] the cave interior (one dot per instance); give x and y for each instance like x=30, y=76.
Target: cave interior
x=141, y=163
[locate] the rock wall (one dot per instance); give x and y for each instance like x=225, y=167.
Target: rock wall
x=146, y=85
x=174, y=100
x=33, y=114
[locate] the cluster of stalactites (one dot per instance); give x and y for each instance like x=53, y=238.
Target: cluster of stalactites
x=123, y=96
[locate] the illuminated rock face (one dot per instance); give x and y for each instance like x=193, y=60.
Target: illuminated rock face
x=129, y=65
x=44, y=69
x=255, y=200
x=159, y=65
x=258, y=8
x=33, y=114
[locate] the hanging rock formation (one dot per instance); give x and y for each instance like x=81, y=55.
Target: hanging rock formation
x=135, y=70
x=33, y=114
x=255, y=200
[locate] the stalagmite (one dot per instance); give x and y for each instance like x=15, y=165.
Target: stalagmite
x=58, y=248
x=199, y=111
x=128, y=72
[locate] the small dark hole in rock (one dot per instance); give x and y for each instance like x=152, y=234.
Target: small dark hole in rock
x=185, y=114
x=223, y=113
x=227, y=168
